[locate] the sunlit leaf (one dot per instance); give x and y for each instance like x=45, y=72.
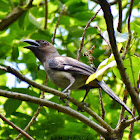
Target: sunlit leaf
x=120, y=37
x=11, y=105
x=34, y=21
x=102, y=69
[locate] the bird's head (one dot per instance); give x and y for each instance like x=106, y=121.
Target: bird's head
x=41, y=48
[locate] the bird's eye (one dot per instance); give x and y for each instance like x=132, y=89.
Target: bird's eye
x=45, y=42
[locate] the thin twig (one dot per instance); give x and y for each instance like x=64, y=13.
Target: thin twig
x=12, y=4
x=111, y=3
x=101, y=34
x=46, y=14
x=133, y=111
x=102, y=108
x=61, y=12
x=131, y=125
x=83, y=35
x=129, y=31
x=122, y=108
x=101, y=103
x=35, y=115
x=29, y=4
x=119, y=28
x=30, y=123
x=16, y=127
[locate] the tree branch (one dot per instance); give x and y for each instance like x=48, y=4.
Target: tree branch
x=109, y=22
x=60, y=108
x=101, y=34
x=35, y=115
x=16, y=127
x=58, y=93
x=46, y=14
x=102, y=108
x=131, y=127
x=14, y=15
x=83, y=35
x=129, y=31
x=63, y=7
x=119, y=28
x=122, y=108
x=101, y=103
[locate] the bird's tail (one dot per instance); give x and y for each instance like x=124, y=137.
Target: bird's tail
x=104, y=86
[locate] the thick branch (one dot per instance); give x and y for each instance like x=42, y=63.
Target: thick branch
x=60, y=108
x=58, y=93
x=14, y=15
x=109, y=22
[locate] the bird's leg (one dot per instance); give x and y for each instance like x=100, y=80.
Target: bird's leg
x=87, y=90
x=68, y=95
x=72, y=80
x=80, y=109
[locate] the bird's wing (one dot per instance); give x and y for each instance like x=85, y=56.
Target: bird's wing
x=63, y=63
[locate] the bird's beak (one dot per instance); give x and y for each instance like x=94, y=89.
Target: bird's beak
x=33, y=43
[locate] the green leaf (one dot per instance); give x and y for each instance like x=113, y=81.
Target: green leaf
x=75, y=6
x=84, y=15
x=11, y=106
x=120, y=37
x=136, y=27
x=33, y=20
x=130, y=69
x=15, y=52
x=69, y=21
x=3, y=80
x=75, y=31
x=102, y=69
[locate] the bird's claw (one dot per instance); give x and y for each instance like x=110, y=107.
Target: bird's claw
x=63, y=99
x=80, y=109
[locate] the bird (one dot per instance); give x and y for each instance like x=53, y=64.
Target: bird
x=66, y=72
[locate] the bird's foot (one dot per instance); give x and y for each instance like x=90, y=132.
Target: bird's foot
x=80, y=109
x=63, y=99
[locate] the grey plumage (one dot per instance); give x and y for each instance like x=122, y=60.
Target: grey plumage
x=66, y=72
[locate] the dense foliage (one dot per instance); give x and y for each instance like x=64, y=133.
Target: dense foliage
x=51, y=124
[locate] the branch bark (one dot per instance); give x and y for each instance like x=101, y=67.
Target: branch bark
x=46, y=14
x=58, y=93
x=35, y=115
x=14, y=15
x=60, y=108
x=119, y=28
